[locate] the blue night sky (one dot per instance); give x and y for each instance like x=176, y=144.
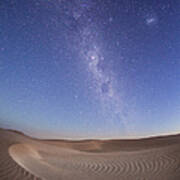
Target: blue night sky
x=90, y=68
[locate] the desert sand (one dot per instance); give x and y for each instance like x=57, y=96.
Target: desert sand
x=22, y=157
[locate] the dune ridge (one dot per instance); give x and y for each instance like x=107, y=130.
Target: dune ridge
x=22, y=157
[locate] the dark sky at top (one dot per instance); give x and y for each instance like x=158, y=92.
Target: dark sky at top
x=90, y=68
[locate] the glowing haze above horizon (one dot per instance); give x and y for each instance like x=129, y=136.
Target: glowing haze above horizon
x=90, y=68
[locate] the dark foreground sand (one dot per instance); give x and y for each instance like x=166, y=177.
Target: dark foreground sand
x=22, y=158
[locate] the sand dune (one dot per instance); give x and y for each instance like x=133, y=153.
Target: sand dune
x=22, y=158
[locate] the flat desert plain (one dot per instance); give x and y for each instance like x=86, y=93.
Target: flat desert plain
x=22, y=157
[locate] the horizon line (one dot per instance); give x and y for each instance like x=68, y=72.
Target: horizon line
x=161, y=135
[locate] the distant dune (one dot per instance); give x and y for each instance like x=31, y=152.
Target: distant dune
x=22, y=157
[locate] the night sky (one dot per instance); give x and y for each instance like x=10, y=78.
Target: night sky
x=90, y=68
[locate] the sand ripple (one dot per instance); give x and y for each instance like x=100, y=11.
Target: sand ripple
x=34, y=160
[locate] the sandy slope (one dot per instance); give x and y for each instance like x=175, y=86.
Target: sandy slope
x=153, y=159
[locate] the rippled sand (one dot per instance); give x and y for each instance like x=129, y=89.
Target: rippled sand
x=22, y=157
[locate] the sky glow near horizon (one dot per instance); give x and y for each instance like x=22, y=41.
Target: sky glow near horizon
x=90, y=69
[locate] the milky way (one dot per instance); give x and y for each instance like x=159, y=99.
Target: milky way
x=102, y=79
